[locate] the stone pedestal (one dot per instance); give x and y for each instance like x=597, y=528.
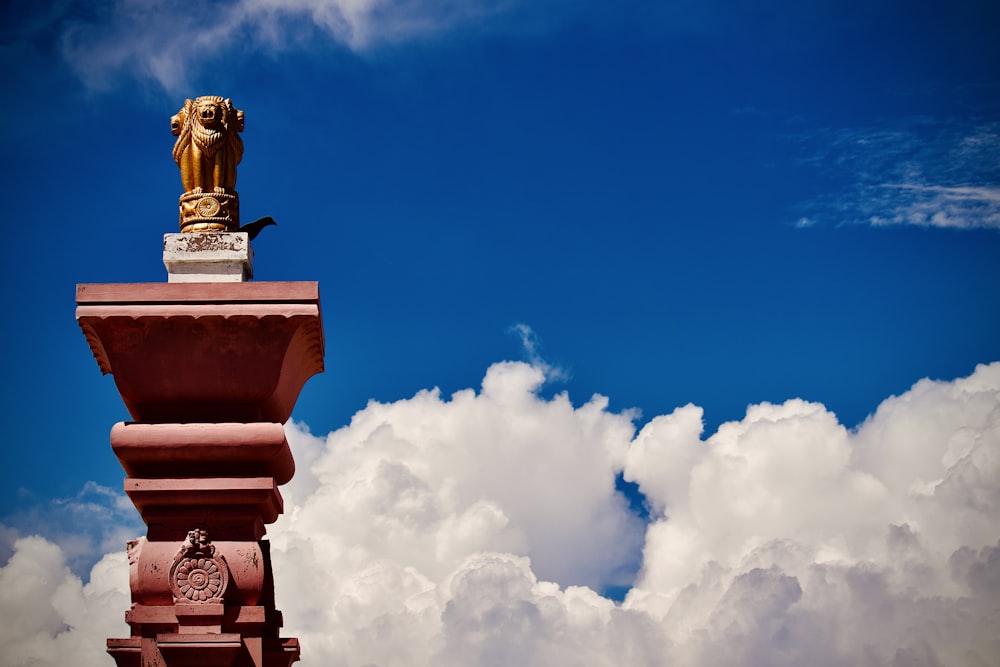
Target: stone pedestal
x=208, y=257
x=209, y=372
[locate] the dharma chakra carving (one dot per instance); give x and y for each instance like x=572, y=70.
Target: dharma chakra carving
x=198, y=575
x=207, y=150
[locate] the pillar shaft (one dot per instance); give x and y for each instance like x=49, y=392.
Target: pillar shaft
x=208, y=373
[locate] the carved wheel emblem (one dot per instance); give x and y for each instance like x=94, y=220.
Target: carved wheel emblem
x=208, y=206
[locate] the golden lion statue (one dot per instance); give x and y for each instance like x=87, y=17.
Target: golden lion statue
x=208, y=146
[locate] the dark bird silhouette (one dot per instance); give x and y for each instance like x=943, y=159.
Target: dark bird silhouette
x=253, y=228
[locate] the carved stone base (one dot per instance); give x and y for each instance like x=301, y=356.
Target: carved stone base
x=213, y=607
x=217, y=211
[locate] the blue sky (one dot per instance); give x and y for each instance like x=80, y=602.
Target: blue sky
x=721, y=203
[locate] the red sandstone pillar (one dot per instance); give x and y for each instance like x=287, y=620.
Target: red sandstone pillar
x=209, y=373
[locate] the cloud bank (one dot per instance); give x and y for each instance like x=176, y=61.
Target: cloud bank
x=479, y=529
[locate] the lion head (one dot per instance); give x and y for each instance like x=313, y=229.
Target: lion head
x=210, y=112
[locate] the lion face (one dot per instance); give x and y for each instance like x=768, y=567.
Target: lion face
x=209, y=113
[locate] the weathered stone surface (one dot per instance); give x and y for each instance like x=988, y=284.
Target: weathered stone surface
x=203, y=257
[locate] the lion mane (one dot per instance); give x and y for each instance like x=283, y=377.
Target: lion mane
x=208, y=146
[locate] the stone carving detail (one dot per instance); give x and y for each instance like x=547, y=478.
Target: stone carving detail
x=133, y=548
x=198, y=575
x=207, y=150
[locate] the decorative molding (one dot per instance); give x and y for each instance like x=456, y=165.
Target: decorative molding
x=96, y=348
x=246, y=363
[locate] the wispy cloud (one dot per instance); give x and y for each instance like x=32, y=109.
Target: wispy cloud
x=170, y=42
x=941, y=206
x=921, y=172
x=532, y=350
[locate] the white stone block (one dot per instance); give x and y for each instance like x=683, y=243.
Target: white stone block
x=208, y=257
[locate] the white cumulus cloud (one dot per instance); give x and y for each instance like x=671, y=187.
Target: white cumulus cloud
x=49, y=616
x=479, y=529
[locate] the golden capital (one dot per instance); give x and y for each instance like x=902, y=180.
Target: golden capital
x=207, y=150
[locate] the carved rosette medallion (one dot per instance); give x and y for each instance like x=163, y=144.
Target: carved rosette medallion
x=198, y=575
